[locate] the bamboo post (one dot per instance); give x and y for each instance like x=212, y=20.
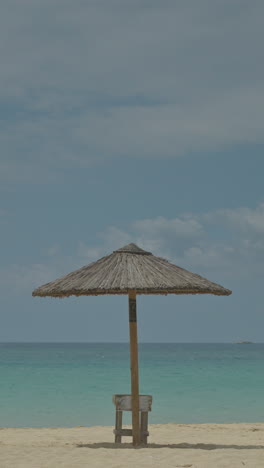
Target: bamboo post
x=134, y=367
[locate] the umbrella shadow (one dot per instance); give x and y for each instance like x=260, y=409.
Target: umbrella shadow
x=184, y=445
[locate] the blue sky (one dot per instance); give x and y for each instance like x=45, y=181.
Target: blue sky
x=132, y=121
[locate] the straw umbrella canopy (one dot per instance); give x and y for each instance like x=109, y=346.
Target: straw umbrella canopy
x=130, y=270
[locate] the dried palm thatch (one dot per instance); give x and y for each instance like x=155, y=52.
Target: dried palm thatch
x=126, y=269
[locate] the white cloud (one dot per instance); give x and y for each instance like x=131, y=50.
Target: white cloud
x=89, y=254
x=243, y=219
x=187, y=240
x=176, y=227
x=53, y=250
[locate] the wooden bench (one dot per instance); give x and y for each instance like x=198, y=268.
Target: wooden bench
x=123, y=403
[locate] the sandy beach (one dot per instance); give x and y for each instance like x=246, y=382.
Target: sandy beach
x=170, y=445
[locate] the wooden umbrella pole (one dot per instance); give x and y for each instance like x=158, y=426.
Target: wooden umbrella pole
x=134, y=367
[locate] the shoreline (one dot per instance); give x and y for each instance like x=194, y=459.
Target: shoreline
x=193, y=445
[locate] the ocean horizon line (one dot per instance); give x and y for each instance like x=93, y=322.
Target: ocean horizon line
x=127, y=342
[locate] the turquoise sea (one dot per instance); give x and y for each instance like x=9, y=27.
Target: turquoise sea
x=72, y=384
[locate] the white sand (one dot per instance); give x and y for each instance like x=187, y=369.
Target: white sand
x=170, y=445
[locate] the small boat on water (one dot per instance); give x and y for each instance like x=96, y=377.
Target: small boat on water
x=244, y=342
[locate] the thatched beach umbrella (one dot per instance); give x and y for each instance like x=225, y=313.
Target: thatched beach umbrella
x=130, y=270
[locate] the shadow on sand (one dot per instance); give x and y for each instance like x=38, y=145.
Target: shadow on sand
x=110, y=445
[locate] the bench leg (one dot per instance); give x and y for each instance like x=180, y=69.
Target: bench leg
x=118, y=426
x=144, y=426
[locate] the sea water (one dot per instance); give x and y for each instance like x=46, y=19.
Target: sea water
x=43, y=385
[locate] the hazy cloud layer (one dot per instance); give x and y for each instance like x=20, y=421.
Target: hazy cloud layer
x=87, y=80
x=22, y=278
x=234, y=247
